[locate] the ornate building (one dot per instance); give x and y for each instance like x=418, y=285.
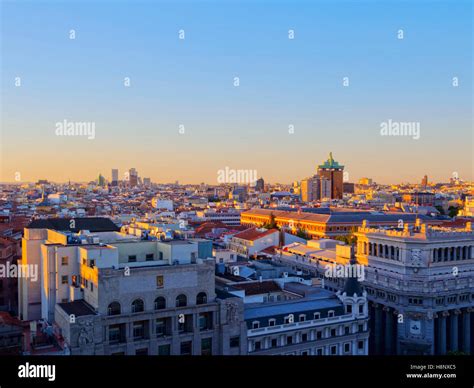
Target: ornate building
x=420, y=284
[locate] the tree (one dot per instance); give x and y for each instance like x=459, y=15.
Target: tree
x=348, y=238
x=453, y=211
x=302, y=234
x=272, y=223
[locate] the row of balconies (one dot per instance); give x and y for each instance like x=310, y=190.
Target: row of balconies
x=305, y=324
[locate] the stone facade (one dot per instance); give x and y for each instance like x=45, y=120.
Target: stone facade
x=179, y=313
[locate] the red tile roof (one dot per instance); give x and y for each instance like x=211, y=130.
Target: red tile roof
x=253, y=234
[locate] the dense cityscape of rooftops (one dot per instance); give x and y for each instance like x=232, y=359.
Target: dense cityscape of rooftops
x=134, y=267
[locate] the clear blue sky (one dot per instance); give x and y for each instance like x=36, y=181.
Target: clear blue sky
x=282, y=82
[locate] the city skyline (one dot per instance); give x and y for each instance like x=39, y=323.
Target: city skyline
x=311, y=79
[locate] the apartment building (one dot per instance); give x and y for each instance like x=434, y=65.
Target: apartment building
x=113, y=293
x=294, y=317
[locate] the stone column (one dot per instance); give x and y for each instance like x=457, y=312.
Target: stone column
x=454, y=330
x=388, y=330
x=378, y=328
x=442, y=332
x=467, y=330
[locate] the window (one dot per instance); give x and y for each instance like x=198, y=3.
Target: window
x=64, y=260
x=333, y=332
x=150, y=256
x=255, y=325
x=289, y=340
x=186, y=348
x=319, y=334
x=113, y=309
x=138, y=330
x=347, y=347
x=360, y=345
x=92, y=287
x=234, y=342
x=347, y=330
x=141, y=352
x=361, y=309
x=160, y=255
x=361, y=328
x=91, y=263
x=159, y=281
x=331, y=313
x=271, y=322
x=138, y=306
x=181, y=300
x=164, y=350
x=302, y=317
x=185, y=323
x=206, y=347
x=317, y=315
x=258, y=345
x=319, y=351
x=201, y=298
x=274, y=343
x=333, y=350
x=160, y=303
x=64, y=279
x=117, y=333
x=304, y=337
x=132, y=258
x=205, y=321
x=162, y=327
x=349, y=309
x=305, y=353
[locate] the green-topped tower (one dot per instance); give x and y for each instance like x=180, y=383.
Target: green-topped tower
x=334, y=172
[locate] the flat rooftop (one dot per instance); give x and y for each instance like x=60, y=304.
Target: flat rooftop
x=78, y=308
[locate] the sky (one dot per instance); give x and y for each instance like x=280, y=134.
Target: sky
x=183, y=118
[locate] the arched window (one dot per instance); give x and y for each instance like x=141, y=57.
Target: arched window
x=138, y=306
x=201, y=298
x=114, y=309
x=160, y=303
x=181, y=300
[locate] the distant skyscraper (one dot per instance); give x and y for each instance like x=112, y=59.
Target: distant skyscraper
x=315, y=188
x=333, y=171
x=133, y=177
x=115, y=173
x=260, y=185
x=147, y=182
x=424, y=181
x=308, y=189
x=365, y=181
x=101, y=180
